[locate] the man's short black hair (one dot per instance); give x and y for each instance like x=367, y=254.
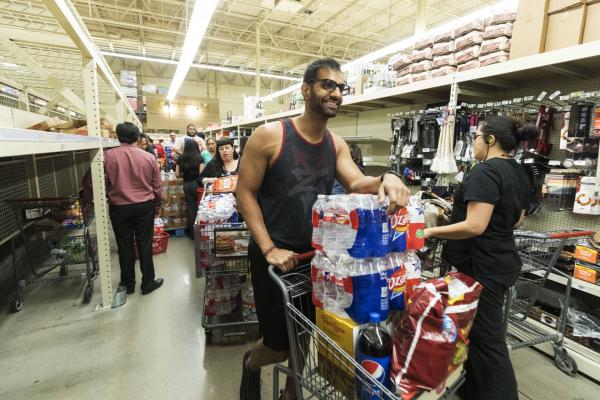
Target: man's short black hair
x=312, y=71
x=127, y=132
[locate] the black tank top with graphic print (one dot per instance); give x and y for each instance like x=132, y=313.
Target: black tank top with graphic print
x=290, y=187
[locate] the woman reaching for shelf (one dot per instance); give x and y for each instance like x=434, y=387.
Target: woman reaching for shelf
x=488, y=205
x=224, y=163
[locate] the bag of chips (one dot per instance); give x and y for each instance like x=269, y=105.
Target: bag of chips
x=430, y=340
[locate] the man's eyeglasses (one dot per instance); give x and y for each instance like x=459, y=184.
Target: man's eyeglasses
x=330, y=86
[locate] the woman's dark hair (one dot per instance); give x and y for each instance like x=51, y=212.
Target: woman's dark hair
x=190, y=159
x=127, y=132
x=312, y=71
x=356, y=154
x=224, y=142
x=508, y=131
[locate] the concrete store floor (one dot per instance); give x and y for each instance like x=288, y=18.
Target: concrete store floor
x=154, y=347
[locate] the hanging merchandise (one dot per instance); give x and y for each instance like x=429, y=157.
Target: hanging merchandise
x=443, y=162
x=544, y=124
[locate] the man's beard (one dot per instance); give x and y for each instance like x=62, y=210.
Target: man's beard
x=319, y=107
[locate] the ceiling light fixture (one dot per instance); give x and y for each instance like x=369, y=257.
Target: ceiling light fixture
x=409, y=42
x=201, y=16
x=200, y=66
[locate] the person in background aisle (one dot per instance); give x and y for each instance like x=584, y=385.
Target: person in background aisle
x=211, y=149
x=151, y=146
x=286, y=164
x=144, y=144
x=188, y=167
x=160, y=153
x=488, y=205
x=170, y=147
x=225, y=163
x=191, y=135
x=356, y=155
x=134, y=190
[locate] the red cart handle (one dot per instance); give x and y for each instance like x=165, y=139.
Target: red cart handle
x=571, y=234
x=305, y=256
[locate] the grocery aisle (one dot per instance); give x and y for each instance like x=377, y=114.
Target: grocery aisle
x=153, y=347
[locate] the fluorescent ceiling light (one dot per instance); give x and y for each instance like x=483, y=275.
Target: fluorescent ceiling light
x=9, y=65
x=201, y=66
x=409, y=42
x=201, y=16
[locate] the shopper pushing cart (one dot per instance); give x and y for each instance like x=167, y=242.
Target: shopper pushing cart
x=286, y=164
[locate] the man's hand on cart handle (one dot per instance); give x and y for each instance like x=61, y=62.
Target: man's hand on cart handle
x=396, y=190
x=286, y=260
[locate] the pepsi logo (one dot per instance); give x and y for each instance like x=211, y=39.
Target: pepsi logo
x=374, y=369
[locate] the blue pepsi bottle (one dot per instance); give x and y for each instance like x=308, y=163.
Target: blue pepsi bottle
x=374, y=353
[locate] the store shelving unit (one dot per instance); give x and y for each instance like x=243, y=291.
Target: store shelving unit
x=576, y=284
x=42, y=160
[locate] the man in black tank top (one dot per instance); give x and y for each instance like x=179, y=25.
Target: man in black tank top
x=286, y=164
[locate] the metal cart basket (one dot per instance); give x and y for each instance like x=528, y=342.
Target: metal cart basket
x=316, y=362
x=229, y=313
x=58, y=243
x=539, y=253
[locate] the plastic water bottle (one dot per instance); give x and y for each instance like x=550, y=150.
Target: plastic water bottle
x=362, y=218
x=317, y=279
x=328, y=227
x=342, y=280
x=329, y=289
x=381, y=232
x=345, y=235
x=381, y=266
x=396, y=275
x=317, y=222
x=413, y=273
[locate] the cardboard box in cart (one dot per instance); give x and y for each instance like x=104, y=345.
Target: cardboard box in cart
x=344, y=332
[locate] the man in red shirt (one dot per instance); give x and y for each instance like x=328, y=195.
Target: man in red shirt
x=134, y=189
x=160, y=153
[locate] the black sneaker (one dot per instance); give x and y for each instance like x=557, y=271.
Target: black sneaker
x=250, y=386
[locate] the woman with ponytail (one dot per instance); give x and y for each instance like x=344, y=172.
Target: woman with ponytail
x=488, y=205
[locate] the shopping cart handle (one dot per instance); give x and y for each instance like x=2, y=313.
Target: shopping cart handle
x=305, y=256
x=553, y=235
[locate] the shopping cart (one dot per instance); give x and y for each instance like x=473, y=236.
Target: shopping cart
x=56, y=234
x=321, y=368
x=539, y=253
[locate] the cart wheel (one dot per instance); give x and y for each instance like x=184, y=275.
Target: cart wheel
x=87, y=294
x=17, y=304
x=63, y=271
x=565, y=362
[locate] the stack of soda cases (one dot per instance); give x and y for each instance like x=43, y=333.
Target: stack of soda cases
x=365, y=262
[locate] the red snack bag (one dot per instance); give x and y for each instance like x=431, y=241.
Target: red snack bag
x=430, y=340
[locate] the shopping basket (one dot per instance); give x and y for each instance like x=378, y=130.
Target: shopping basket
x=160, y=242
x=317, y=364
x=539, y=253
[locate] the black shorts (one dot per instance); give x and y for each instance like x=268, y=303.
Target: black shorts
x=268, y=298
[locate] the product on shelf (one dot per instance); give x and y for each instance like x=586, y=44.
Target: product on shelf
x=493, y=58
x=586, y=201
x=494, y=31
x=423, y=43
x=502, y=18
x=475, y=25
x=420, y=55
x=468, y=40
x=467, y=66
x=442, y=48
x=420, y=67
x=468, y=54
x=400, y=61
x=404, y=80
x=443, y=37
x=443, y=71
x=587, y=272
x=403, y=72
x=421, y=76
x=442, y=61
x=493, y=45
